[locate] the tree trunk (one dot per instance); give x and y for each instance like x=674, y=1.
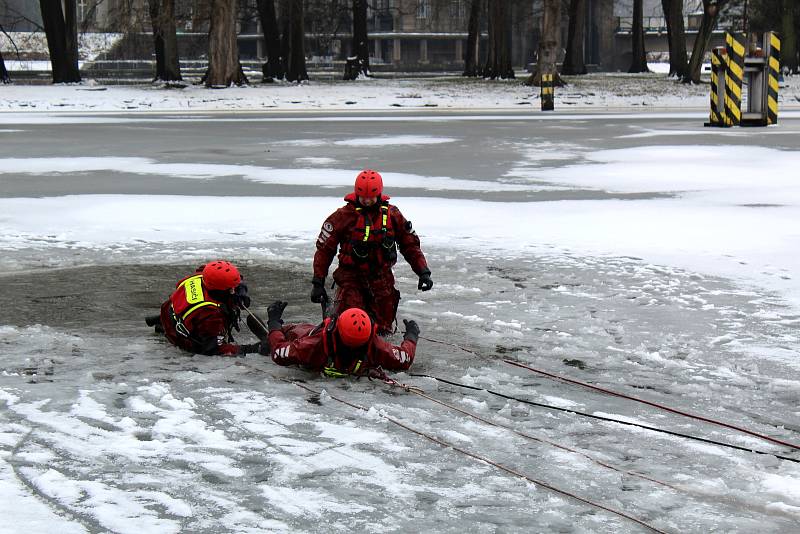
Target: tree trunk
x=158, y=36
x=165, y=40
x=64, y=61
x=273, y=68
x=71, y=25
x=789, y=37
x=638, y=53
x=665, y=9
x=710, y=15
x=294, y=41
x=549, y=44
x=678, y=62
x=358, y=63
x=472, y=56
x=172, y=64
x=4, y=77
x=224, y=68
x=607, y=26
x=574, y=61
x=498, y=58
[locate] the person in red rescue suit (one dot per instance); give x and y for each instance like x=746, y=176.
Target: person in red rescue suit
x=367, y=232
x=346, y=344
x=203, y=311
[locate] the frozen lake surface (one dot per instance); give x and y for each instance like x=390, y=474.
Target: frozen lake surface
x=601, y=250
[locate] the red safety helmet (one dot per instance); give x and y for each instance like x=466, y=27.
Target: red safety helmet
x=221, y=275
x=369, y=184
x=354, y=327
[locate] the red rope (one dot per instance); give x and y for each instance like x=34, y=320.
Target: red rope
x=487, y=461
x=656, y=405
x=548, y=442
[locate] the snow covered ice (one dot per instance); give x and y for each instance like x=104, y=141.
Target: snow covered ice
x=639, y=252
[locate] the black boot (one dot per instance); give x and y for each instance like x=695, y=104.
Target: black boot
x=155, y=321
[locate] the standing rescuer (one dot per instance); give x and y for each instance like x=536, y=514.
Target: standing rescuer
x=367, y=232
x=203, y=311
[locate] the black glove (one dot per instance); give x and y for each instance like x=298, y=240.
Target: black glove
x=425, y=282
x=275, y=311
x=240, y=296
x=318, y=293
x=412, y=330
x=261, y=347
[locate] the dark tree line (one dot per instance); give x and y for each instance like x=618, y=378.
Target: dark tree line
x=284, y=31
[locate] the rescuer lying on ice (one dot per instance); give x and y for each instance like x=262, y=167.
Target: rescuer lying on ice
x=346, y=344
x=367, y=231
x=202, y=312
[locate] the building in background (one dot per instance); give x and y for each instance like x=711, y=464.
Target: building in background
x=412, y=35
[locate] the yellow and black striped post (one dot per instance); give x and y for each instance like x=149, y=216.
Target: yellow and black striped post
x=773, y=71
x=734, y=72
x=548, y=95
x=717, y=115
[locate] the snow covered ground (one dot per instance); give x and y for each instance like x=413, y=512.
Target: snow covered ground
x=618, y=91
x=674, y=277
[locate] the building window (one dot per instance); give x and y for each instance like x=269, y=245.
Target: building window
x=423, y=9
x=457, y=10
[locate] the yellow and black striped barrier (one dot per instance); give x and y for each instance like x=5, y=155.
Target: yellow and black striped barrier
x=548, y=93
x=717, y=115
x=773, y=71
x=734, y=73
x=734, y=69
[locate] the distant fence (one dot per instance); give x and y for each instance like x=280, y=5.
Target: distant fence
x=659, y=24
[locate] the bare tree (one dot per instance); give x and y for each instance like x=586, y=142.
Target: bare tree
x=358, y=64
x=638, y=53
x=472, y=57
x=165, y=40
x=61, y=31
x=4, y=77
x=711, y=9
x=293, y=40
x=789, y=23
x=574, y=60
x=548, y=44
x=224, y=68
x=273, y=67
x=498, y=57
x=676, y=33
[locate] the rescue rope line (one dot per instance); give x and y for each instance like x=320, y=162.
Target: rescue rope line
x=485, y=460
x=654, y=404
x=660, y=406
x=548, y=442
x=602, y=418
x=459, y=347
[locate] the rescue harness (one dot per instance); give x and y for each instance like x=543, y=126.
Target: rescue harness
x=362, y=244
x=184, y=303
